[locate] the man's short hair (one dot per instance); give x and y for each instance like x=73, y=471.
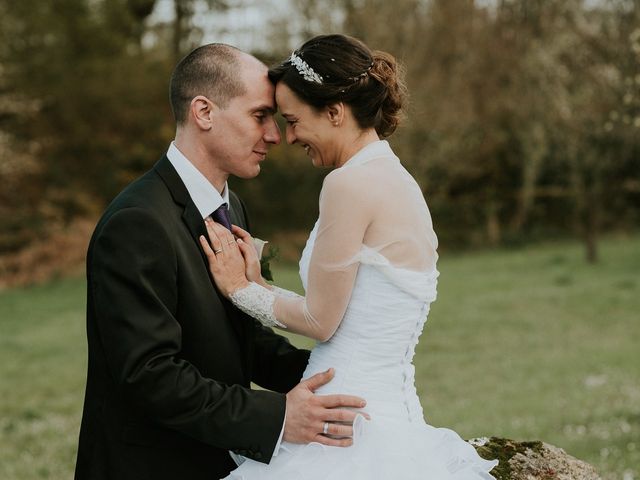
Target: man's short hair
x=211, y=70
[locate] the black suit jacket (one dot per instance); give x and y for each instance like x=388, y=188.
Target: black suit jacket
x=170, y=360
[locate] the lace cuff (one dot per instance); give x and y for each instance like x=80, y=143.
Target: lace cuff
x=257, y=301
x=285, y=293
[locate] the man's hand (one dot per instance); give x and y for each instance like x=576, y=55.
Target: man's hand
x=307, y=414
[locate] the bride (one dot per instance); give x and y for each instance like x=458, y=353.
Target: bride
x=368, y=270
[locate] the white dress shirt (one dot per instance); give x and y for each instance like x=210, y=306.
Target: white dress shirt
x=202, y=192
x=207, y=200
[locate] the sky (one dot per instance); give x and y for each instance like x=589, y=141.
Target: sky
x=247, y=27
x=243, y=27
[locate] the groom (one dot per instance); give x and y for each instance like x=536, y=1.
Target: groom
x=170, y=360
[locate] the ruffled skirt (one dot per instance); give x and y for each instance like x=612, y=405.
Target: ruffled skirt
x=382, y=449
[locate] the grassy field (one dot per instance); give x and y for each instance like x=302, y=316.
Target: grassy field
x=527, y=344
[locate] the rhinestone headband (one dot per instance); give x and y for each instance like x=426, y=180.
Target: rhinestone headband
x=304, y=69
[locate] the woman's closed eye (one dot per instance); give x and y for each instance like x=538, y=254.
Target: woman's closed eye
x=291, y=120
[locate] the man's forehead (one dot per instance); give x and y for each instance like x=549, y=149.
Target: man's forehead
x=252, y=68
x=259, y=95
x=258, y=87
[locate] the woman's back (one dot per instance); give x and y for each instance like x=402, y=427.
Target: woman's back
x=374, y=345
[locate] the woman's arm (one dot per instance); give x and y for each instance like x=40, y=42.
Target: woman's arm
x=345, y=215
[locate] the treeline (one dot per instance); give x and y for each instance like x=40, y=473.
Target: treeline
x=524, y=120
x=525, y=114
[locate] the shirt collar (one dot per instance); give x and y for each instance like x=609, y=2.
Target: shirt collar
x=205, y=196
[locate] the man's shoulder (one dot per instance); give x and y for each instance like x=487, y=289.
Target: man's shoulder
x=148, y=192
x=145, y=191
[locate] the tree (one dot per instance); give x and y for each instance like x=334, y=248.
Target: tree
x=83, y=101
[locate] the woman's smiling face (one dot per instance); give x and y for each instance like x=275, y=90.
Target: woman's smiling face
x=308, y=127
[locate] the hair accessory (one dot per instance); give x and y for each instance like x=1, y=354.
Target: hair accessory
x=304, y=69
x=362, y=75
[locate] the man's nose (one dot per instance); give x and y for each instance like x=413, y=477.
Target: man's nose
x=272, y=132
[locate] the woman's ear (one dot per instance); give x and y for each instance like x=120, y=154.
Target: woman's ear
x=202, y=111
x=335, y=113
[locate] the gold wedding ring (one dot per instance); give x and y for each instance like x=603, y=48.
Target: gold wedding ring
x=218, y=251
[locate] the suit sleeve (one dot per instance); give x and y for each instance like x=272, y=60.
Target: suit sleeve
x=277, y=365
x=132, y=270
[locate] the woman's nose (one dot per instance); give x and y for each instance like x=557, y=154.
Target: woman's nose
x=272, y=133
x=291, y=137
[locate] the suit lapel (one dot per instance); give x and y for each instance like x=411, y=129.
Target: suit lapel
x=243, y=327
x=190, y=214
x=238, y=218
x=235, y=218
x=195, y=224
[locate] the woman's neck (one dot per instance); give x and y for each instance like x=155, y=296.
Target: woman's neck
x=354, y=145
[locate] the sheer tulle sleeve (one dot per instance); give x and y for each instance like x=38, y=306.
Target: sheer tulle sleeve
x=345, y=213
x=377, y=205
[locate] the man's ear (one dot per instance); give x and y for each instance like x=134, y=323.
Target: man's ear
x=202, y=111
x=335, y=113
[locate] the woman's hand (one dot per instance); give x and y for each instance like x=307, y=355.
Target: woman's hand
x=251, y=259
x=226, y=262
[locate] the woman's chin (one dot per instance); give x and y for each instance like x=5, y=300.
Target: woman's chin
x=316, y=160
x=319, y=163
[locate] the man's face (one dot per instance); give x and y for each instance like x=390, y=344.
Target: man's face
x=246, y=128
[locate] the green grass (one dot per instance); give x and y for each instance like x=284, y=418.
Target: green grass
x=536, y=344
x=528, y=344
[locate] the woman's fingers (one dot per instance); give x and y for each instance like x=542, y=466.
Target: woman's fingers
x=216, y=243
x=246, y=237
x=229, y=245
x=251, y=261
x=226, y=262
x=248, y=252
x=211, y=257
x=226, y=237
x=240, y=233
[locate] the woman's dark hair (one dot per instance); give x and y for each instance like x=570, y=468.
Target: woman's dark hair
x=337, y=68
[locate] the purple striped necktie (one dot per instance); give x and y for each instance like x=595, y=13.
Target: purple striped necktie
x=221, y=216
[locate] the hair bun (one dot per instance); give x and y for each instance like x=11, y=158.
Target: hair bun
x=370, y=82
x=388, y=73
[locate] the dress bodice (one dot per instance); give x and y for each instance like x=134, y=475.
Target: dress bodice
x=376, y=340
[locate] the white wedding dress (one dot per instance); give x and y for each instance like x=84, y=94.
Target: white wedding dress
x=374, y=344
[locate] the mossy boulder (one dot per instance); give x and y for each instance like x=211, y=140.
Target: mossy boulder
x=532, y=461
